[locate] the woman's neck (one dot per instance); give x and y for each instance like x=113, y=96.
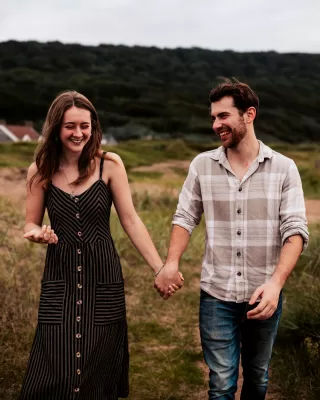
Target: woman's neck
x=68, y=160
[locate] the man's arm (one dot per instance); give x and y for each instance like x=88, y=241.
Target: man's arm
x=270, y=291
x=289, y=256
x=187, y=216
x=294, y=235
x=169, y=275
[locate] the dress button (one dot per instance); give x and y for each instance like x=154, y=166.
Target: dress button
x=76, y=390
x=239, y=211
x=240, y=189
x=78, y=336
x=238, y=254
x=79, y=234
x=77, y=215
x=79, y=302
x=239, y=273
x=79, y=268
x=79, y=251
x=239, y=233
x=78, y=319
x=79, y=286
x=76, y=200
x=78, y=354
x=78, y=371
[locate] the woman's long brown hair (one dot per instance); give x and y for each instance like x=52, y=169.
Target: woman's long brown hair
x=49, y=151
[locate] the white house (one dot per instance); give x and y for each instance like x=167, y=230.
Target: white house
x=18, y=133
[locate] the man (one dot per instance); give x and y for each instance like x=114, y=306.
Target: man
x=256, y=229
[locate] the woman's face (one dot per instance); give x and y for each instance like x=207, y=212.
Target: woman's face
x=75, y=129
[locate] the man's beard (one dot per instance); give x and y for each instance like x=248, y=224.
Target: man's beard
x=236, y=135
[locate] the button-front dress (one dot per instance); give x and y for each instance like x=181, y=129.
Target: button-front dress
x=80, y=349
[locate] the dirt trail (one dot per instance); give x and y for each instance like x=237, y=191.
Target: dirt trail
x=13, y=186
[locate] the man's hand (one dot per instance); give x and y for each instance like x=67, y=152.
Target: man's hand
x=269, y=293
x=169, y=278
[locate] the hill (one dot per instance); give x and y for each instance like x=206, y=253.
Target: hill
x=146, y=89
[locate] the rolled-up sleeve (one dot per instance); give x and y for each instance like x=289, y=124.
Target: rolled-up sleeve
x=292, y=208
x=190, y=207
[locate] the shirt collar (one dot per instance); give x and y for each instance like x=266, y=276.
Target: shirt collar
x=220, y=153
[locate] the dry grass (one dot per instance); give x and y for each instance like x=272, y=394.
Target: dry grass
x=166, y=358
x=164, y=348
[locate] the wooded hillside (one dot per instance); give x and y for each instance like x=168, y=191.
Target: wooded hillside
x=163, y=90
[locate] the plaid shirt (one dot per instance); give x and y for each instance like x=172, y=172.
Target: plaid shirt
x=247, y=222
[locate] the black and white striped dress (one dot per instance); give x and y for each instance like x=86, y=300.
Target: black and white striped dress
x=80, y=350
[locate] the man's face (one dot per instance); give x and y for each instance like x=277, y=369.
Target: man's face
x=227, y=123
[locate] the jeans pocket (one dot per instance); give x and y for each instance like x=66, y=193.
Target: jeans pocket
x=109, y=303
x=51, y=302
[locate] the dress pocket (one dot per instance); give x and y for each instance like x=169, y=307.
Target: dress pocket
x=51, y=302
x=109, y=303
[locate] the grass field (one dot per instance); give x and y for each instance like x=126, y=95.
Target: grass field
x=166, y=358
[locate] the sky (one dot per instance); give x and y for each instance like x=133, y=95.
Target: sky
x=239, y=25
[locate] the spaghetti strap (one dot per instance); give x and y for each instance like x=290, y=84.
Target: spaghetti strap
x=101, y=164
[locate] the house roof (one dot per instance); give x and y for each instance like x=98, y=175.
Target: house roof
x=22, y=130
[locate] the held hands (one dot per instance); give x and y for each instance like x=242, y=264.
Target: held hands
x=43, y=235
x=269, y=293
x=168, y=281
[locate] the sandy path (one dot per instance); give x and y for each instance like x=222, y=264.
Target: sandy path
x=12, y=185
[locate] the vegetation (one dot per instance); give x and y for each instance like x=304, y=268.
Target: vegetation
x=140, y=91
x=295, y=366
x=163, y=336
x=166, y=357
x=147, y=152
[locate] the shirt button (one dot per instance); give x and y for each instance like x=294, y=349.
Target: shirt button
x=78, y=336
x=79, y=234
x=78, y=371
x=78, y=354
x=79, y=251
x=239, y=210
x=77, y=215
x=79, y=302
x=239, y=233
x=78, y=319
x=238, y=254
x=239, y=273
x=79, y=268
x=76, y=390
x=240, y=189
x=79, y=286
x=76, y=200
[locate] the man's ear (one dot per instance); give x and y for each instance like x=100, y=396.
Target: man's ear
x=250, y=115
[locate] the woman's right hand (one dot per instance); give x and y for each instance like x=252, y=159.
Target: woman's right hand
x=43, y=235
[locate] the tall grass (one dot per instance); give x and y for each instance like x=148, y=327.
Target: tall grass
x=296, y=365
x=164, y=345
x=163, y=336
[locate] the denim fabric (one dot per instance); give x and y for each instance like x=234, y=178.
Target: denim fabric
x=225, y=333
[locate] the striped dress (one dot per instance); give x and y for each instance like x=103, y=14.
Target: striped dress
x=80, y=349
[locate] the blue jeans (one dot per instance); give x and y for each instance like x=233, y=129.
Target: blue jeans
x=225, y=332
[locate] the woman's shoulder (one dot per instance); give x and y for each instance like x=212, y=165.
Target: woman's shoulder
x=110, y=157
x=32, y=170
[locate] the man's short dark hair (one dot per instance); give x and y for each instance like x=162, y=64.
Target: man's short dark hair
x=243, y=96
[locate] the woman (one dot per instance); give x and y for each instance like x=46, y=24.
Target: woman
x=80, y=350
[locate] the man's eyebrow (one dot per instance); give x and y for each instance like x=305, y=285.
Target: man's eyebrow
x=221, y=114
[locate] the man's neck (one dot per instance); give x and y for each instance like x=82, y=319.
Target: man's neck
x=246, y=151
